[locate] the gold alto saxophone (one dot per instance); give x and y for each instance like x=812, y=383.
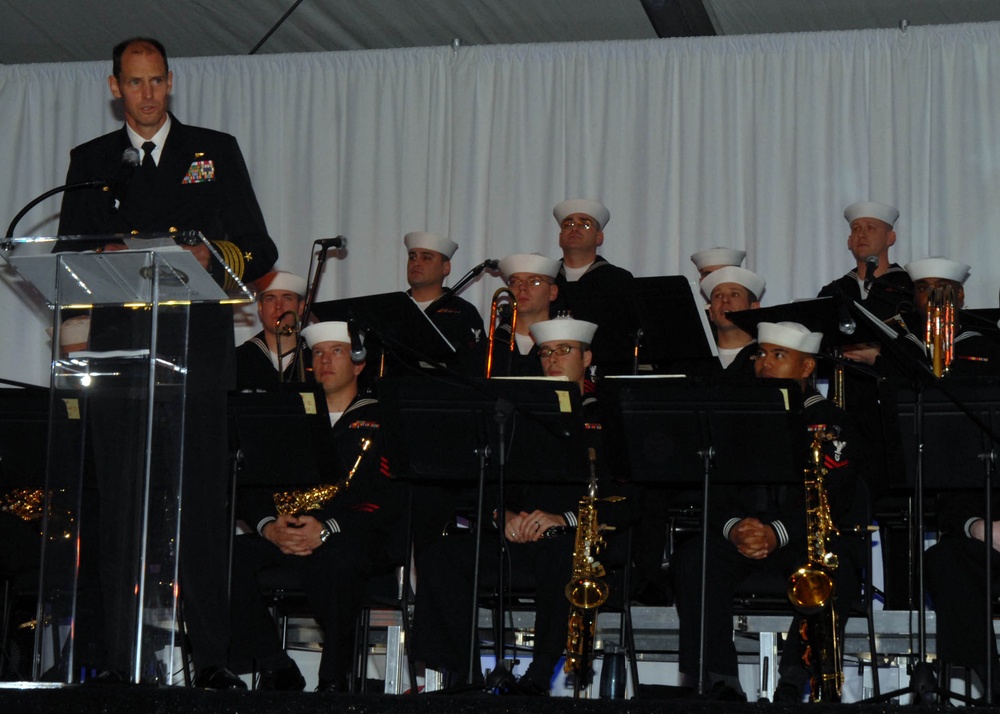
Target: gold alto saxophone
x=585, y=591
x=290, y=503
x=811, y=588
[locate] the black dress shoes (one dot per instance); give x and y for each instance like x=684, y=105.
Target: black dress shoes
x=722, y=692
x=216, y=677
x=525, y=687
x=284, y=679
x=338, y=683
x=109, y=677
x=787, y=693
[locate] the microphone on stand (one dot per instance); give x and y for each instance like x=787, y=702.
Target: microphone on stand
x=338, y=242
x=491, y=263
x=118, y=187
x=871, y=265
x=325, y=244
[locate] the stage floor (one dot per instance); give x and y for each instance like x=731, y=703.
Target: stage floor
x=96, y=699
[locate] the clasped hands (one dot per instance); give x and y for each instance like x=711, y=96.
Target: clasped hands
x=753, y=538
x=526, y=527
x=294, y=535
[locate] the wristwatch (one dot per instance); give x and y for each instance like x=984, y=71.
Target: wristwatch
x=324, y=534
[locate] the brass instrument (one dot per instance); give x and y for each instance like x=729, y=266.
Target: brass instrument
x=811, y=588
x=283, y=330
x=25, y=503
x=503, y=299
x=585, y=591
x=289, y=503
x=839, y=393
x=940, y=333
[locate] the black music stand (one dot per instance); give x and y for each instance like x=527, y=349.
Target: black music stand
x=831, y=316
x=615, y=316
x=934, y=425
x=393, y=323
x=981, y=319
x=669, y=430
x=267, y=427
x=532, y=426
x=669, y=312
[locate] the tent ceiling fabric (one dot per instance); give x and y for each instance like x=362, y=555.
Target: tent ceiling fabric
x=84, y=30
x=754, y=17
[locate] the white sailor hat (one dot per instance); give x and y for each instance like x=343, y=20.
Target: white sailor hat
x=533, y=263
x=74, y=331
x=588, y=207
x=871, y=209
x=430, y=241
x=282, y=280
x=792, y=335
x=326, y=332
x=718, y=256
x=937, y=267
x=563, y=328
x=733, y=274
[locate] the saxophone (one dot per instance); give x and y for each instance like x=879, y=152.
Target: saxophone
x=289, y=503
x=585, y=591
x=25, y=503
x=811, y=588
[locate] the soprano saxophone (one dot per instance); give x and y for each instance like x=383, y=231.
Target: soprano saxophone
x=292, y=502
x=811, y=588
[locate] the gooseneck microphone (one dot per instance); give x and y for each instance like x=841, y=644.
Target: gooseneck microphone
x=92, y=183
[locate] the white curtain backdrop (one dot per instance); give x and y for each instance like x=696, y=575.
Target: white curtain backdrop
x=755, y=142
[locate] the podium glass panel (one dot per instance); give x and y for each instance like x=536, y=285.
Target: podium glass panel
x=111, y=526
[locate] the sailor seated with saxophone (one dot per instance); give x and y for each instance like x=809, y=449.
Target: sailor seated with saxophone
x=531, y=279
x=280, y=301
x=538, y=558
x=335, y=535
x=763, y=528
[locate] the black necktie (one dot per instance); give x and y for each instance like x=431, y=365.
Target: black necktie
x=147, y=156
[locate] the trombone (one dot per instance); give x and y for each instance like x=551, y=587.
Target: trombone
x=282, y=329
x=504, y=304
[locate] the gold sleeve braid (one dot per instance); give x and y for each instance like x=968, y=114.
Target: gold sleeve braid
x=233, y=257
